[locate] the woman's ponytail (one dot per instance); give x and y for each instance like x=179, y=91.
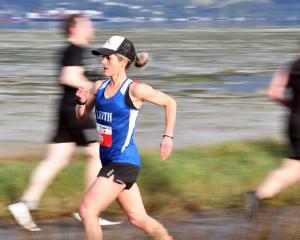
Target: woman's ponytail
x=141, y=59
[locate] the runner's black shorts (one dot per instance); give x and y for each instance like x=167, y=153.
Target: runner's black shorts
x=294, y=148
x=124, y=173
x=81, y=137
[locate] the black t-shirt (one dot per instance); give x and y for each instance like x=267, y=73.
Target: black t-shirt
x=72, y=55
x=294, y=86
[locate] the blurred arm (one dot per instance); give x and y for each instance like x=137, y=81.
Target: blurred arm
x=73, y=76
x=278, y=86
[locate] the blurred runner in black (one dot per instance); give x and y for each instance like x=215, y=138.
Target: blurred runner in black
x=283, y=81
x=69, y=132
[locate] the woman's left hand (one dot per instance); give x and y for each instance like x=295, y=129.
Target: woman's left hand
x=166, y=147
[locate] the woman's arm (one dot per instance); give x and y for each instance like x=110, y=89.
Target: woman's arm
x=86, y=100
x=145, y=92
x=277, y=88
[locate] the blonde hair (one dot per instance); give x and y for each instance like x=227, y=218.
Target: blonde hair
x=140, y=61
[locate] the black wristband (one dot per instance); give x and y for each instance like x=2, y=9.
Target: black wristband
x=165, y=135
x=80, y=103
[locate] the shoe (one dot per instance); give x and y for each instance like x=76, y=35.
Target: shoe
x=102, y=221
x=23, y=217
x=252, y=205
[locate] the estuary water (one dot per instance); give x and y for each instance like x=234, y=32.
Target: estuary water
x=217, y=76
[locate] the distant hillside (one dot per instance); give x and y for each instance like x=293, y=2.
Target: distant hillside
x=167, y=9
x=286, y=2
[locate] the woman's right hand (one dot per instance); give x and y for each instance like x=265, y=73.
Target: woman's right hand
x=166, y=147
x=82, y=94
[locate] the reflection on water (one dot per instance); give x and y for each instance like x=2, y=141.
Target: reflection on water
x=218, y=78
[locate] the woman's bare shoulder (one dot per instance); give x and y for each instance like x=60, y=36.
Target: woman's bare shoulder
x=96, y=86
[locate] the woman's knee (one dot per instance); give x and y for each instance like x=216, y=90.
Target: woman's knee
x=138, y=220
x=87, y=211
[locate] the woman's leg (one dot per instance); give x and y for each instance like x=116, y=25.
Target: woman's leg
x=98, y=197
x=94, y=165
x=279, y=179
x=132, y=204
x=57, y=157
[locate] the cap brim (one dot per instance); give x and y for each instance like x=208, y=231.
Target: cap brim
x=103, y=51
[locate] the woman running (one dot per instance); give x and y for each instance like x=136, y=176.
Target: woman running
x=117, y=102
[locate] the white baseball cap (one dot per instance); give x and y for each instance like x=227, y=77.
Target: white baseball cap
x=117, y=44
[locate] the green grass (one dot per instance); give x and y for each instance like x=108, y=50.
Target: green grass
x=192, y=179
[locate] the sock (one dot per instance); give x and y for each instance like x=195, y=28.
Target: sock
x=31, y=204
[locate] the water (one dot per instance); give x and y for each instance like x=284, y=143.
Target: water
x=217, y=76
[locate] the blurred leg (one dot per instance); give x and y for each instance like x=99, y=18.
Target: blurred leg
x=57, y=157
x=94, y=165
x=279, y=179
x=98, y=197
x=131, y=202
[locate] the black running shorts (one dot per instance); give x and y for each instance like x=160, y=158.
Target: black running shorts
x=294, y=148
x=81, y=137
x=123, y=173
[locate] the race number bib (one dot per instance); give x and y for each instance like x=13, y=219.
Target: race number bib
x=104, y=135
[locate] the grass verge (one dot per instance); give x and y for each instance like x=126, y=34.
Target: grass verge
x=193, y=179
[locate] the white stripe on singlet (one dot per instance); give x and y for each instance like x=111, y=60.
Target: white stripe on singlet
x=132, y=119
